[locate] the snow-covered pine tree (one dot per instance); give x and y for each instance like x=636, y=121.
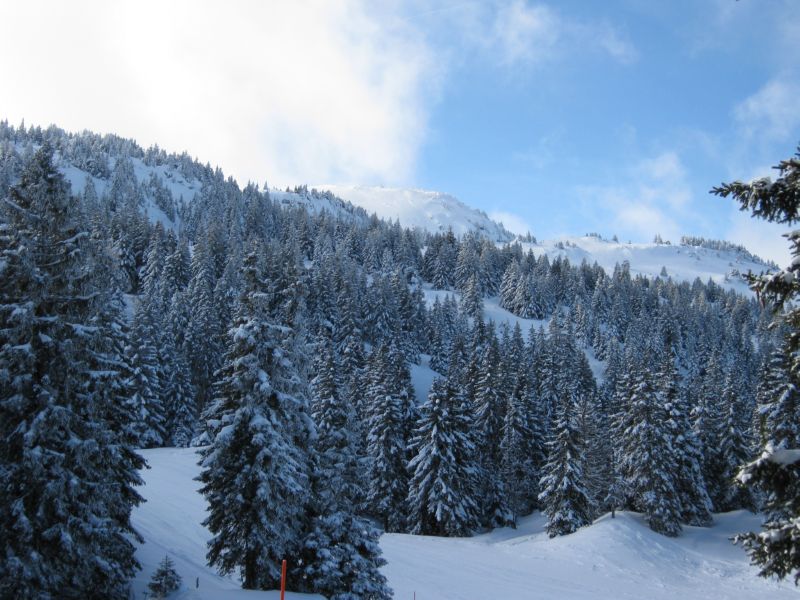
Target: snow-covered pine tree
x=519, y=452
x=68, y=477
x=508, y=287
x=734, y=451
x=488, y=415
x=707, y=424
x=647, y=458
x=200, y=340
x=440, y=496
x=689, y=482
x=146, y=379
x=165, y=580
x=341, y=556
x=472, y=299
x=387, y=477
x=564, y=497
x=179, y=402
x=177, y=269
x=776, y=473
x=258, y=457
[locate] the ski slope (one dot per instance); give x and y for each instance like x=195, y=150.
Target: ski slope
x=613, y=559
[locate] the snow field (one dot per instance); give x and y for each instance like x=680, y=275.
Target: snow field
x=612, y=559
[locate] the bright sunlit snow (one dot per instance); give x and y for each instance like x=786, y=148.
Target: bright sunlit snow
x=612, y=559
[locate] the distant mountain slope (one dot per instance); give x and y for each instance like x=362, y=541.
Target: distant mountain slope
x=179, y=186
x=725, y=267
x=431, y=211
x=182, y=180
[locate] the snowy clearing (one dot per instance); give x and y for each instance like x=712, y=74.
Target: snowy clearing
x=614, y=558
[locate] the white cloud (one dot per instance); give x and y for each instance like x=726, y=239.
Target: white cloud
x=525, y=33
x=514, y=223
x=519, y=32
x=653, y=197
x=617, y=46
x=664, y=167
x=289, y=91
x=760, y=237
x=772, y=113
x=633, y=211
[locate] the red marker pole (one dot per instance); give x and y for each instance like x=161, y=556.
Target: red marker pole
x=283, y=578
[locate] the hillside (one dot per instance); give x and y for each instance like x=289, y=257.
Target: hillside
x=612, y=559
x=725, y=267
x=427, y=210
x=436, y=212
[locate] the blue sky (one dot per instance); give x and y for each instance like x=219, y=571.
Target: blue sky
x=623, y=119
x=563, y=117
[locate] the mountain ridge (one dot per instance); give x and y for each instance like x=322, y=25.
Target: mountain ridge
x=183, y=179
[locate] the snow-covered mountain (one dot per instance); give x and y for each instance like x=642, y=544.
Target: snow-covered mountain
x=428, y=210
x=725, y=264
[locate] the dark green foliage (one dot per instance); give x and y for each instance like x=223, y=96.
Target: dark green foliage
x=776, y=474
x=564, y=497
x=440, y=496
x=259, y=453
x=647, y=459
x=67, y=469
x=341, y=556
x=165, y=580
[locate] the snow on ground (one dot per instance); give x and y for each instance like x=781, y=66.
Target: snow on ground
x=170, y=522
x=431, y=211
x=171, y=178
x=683, y=263
x=422, y=377
x=613, y=559
x=491, y=309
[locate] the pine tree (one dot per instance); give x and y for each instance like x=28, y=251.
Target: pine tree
x=472, y=300
x=200, y=342
x=647, y=459
x=440, y=496
x=259, y=453
x=733, y=452
x=564, y=497
x=776, y=550
x=180, y=406
x=488, y=409
x=341, y=556
x=689, y=482
x=68, y=477
x=165, y=580
x=385, y=444
x=146, y=380
x=519, y=450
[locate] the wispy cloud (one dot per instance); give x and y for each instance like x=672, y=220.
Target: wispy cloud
x=772, y=113
x=514, y=223
x=614, y=43
x=652, y=197
x=522, y=33
x=525, y=33
x=542, y=153
x=293, y=91
x=763, y=238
